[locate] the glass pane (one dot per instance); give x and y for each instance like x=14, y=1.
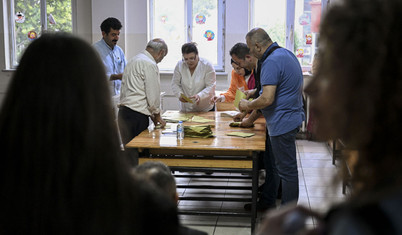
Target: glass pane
x=205, y=29
x=59, y=15
x=27, y=24
x=271, y=16
x=307, y=21
x=169, y=24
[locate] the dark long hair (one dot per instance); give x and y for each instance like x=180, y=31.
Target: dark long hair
x=60, y=171
x=357, y=90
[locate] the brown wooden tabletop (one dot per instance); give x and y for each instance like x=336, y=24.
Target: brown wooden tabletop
x=222, y=143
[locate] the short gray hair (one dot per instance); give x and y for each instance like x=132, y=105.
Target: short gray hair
x=157, y=44
x=259, y=35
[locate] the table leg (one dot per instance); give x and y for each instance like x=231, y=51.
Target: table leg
x=254, y=192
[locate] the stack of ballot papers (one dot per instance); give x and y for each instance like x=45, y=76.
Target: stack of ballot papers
x=198, y=131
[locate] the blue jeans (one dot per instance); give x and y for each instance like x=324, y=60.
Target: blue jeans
x=281, y=166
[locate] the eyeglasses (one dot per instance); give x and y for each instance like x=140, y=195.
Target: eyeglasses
x=190, y=59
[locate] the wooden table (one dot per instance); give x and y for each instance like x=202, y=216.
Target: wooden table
x=221, y=153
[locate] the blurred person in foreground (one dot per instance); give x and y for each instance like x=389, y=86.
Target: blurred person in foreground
x=61, y=171
x=356, y=96
x=159, y=175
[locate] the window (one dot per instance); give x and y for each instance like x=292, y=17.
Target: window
x=181, y=21
x=28, y=19
x=294, y=24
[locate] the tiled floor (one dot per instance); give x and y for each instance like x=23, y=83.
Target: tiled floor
x=316, y=192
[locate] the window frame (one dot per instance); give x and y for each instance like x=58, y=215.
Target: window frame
x=188, y=16
x=9, y=25
x=289, y=24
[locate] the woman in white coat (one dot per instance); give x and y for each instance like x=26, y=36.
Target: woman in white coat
x=194, y=78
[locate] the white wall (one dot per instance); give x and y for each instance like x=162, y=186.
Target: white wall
x=133, y=15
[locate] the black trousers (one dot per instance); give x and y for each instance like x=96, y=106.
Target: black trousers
x=131, y=123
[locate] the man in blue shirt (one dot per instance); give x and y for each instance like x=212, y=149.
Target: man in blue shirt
x=112, y=55
x=281, y=104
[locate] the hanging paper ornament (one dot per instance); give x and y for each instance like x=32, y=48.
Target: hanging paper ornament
x=32, y=35
x=304, y=19
x=200, y=19
x=300, y=53
x=19, y=17
x=163, y=19
x=51, y=19
x=209, y=35
x=309, y=39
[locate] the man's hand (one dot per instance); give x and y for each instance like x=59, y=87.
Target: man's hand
x=118, y=76
x=247, y=122
x=243, y=105
x=157, y=119
x=239, y=117
x=249, y=93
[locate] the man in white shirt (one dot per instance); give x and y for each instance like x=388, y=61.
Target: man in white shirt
x=140, y=91
x=195, y=78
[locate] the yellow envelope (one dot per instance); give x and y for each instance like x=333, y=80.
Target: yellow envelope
x=201, y=119
x=240, y=134
x=186, y=98
x=239, y=96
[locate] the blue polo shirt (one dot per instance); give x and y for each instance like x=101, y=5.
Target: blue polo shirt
x=283, y=70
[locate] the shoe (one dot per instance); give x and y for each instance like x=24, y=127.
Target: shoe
x=260, y=207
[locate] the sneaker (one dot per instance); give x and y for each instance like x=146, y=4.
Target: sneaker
x=260, y=207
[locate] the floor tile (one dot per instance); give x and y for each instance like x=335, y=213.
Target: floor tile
x=316, y=191
x=224, y=230
x=208, y=229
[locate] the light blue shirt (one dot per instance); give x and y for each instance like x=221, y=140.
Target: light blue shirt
x=283, y=70
x=114, y=61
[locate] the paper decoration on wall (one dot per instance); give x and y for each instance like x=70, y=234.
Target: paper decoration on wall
x=209, y=35
x=51, y=19
x=19, y=17
x=163, y=19
x=304, y=19
x=300, y=53
x=32, y=35
x=200, y=19
x=309, y=39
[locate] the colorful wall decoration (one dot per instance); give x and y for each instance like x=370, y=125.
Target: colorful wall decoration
x=209, y=35
x=200, y=19
x=32, y=35
x=300, y=53
x=19, y=17
x=309, y=39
